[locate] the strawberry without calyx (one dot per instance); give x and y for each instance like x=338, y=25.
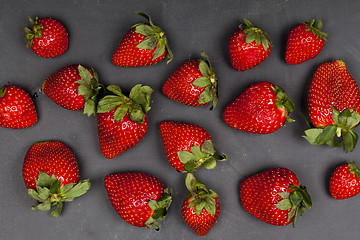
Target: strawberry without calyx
x=17, y=109
x=122, y=121
x=193, y=83
x=188, y=146
x=262, y=108
x=144, y=44
x=51, y=174
x=139, y=198
x=48, y=38
x=304, y=42
x=201, y=208
x=274, y=196
x=248, y=47
x=345, y=181
x=333, y=106
x=73, y=87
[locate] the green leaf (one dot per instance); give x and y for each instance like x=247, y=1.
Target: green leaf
x=120, y=112
x=85, y=91
x=67, y=187
x=199, y=207
x=144, y=29
x=136, y=114
x=42, y=207
x=89, y=107
x=204, y=68
x=284, y=194
x=189, y=166
x=210, y=163
x=296, y=198
x=55, y=187
x=148, y=43
x=108, y=103
x=350, y=139
x=115, y=89
x=85, y=74
x=312, y=134
x=43, y=192
x=186, y=156
x=202, y=82
x=208, y=147
x=159, y=51
x=284, y=204
x=153, y=204
x=326, y=135
x=57, y=211
x=205, y=96
x=141, y=95
x=32, y=193
x=79, y=189
x=196, y=151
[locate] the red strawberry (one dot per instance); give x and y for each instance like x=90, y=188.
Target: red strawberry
x=201, y=208
x=248, y=47
x=333, y=106
x=193, y=83
x=17, y=109
x=345, y=181
x=73, y=87
x=139, y=198
x=274, y=196
x=304, y=42
x=262, y=108
x=48, y=38
x=51, y=174
x=122, y=121
x=188, y=146
x=144, y=44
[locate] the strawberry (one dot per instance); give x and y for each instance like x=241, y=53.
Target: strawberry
x=274, y=196
x=73, y=87
x=17, y=109
x=193, y=83
x=262, y=108
x=51, y=175
x=333, y=106
x=139, y=198
x=248, y=46
x=144, y=44
x=122, y=121
x=188, y=146
x=201, y=208
x=345, y=181
x=304, y=42
x=48, y=37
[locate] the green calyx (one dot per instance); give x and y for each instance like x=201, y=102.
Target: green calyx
x=208, y=80
x=2, y=91
x=49, y=193
x=317, y=29
x=137, y=104
x=296, y=202
x=89, y=88
x=283, y=101
x=155, y=38
x=204, y=156
x=34, y=32
x=160, y=210
x=201, y=197
x=353, y=169
x=255, y=34
x=338, y=134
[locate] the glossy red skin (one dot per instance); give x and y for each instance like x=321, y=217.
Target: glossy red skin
x=177, y=137
x=255, y=111
x=118, y=137
x=332, y=85
x=302, y=45
x=258, y=194
x=54, y=39
x=52, y=157
x=245, y=56
x=200, y=224
x=128, y=55
x=61, y=88
x=179, y=87
x=344, y=185
x=17, y=109
x=129, y=194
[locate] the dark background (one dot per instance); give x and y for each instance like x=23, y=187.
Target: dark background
x=95, y=28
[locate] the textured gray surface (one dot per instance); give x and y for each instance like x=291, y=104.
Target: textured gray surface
x=95, y=28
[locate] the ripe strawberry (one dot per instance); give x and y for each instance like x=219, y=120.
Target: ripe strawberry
x=48, y=38
x=345, y=181
x=193, y=83
x=333, y=106
x=248, y=47
x=262, y=108
x=188, y=146
x=139, y=198
x=73, y=87
x=51, y=174
x=274, y=196
x=144, y=44
x=201, y=208
x=304, y=42
x=17, y=109
x=122, y=121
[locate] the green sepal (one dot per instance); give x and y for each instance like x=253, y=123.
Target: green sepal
x=283, y=101
x=160, y=209
x=201, y=197
x=255, y=34
x=35, y=32
x=353, y=169
x=155, y=38
x=196, y=157
x=50, y=193
x=2, y=91
x=317, y=29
